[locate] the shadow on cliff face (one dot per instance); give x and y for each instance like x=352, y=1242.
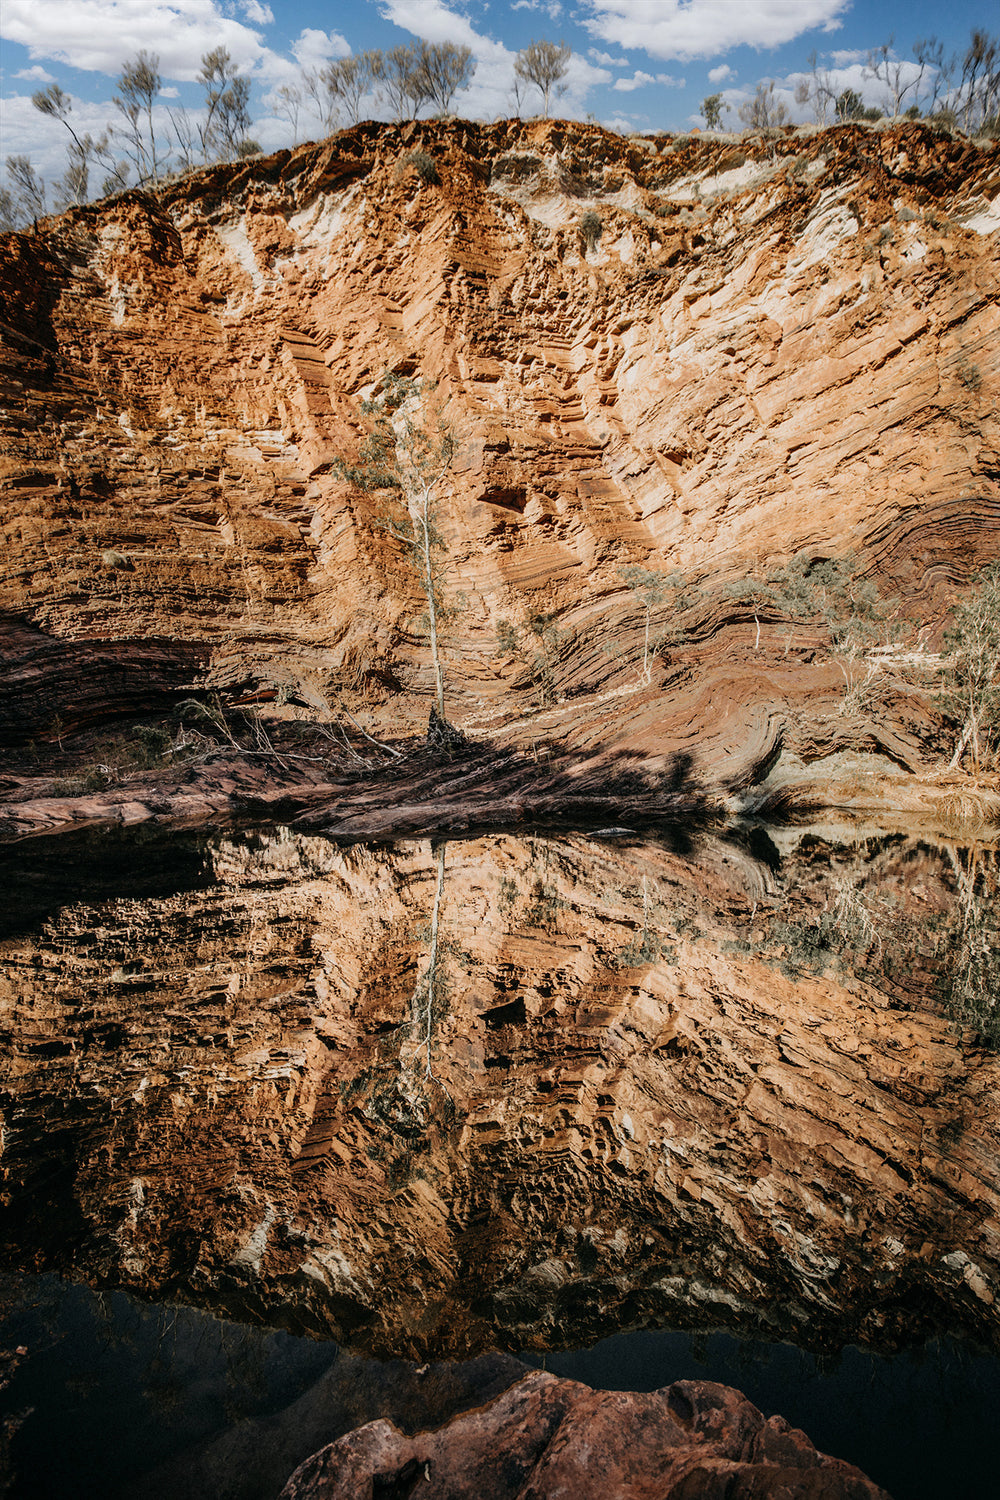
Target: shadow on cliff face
x=94, y=866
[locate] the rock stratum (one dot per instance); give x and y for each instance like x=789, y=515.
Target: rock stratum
x=773, y=348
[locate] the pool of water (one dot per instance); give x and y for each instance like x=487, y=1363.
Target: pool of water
x=645, y=1108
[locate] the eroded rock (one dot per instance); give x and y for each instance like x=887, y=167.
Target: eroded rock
x=544, y=1438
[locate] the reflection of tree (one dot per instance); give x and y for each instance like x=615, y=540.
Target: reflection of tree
x=647, y=945
x=972, y=978
x=432, y=981
x=398, y=1095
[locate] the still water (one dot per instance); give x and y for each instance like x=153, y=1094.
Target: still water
x=419, y=1103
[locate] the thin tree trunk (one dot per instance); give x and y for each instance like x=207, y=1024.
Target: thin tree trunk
x=645, y=650
x=428, y=568
x=432, y=965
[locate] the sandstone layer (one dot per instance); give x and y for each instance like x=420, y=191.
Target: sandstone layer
x=774, y=347
x=507, y=1093
x=546, y=1438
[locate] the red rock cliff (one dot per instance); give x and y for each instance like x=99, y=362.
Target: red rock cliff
x=771, y=346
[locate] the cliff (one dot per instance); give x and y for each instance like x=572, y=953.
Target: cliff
x=765, y=348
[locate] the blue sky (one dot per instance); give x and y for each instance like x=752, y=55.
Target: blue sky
x=637, y=64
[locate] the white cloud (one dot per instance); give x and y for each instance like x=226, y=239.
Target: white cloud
x=843, y=59
x=720, y=74
x=605, y=59
x=639, y=80
x=260, y=15
x=35, y=75
x=44, y=140
x=434, y=22
x=551, y=8
x=101, y=35
x=702, y=28
x=311, y=48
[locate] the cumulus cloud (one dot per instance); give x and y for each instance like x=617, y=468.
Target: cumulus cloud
x=311, y=47
x=260, y=15
x=605, y=59
x=101, y=35
x=639, y=80
x=702, y=28
x=844, y=58
x=35, y=75
x=720, y=74
x=551, y=8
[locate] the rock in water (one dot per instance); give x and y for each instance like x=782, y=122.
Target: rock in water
x=546, y=1437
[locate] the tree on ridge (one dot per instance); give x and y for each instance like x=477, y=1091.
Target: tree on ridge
x=544, y=64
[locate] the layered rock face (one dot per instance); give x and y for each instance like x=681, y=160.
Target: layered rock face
x=770, y=346
x=505, y=1093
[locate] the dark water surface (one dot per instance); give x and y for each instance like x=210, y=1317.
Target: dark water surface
x=439, y=1105
x=125, y=1399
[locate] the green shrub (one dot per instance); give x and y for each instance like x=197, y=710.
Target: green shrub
x=590, y=228
x=423, y=164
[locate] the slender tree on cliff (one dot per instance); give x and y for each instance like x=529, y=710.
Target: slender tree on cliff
x=403, y=82
x=448, y=70
x=544, y=64
x=26, y=194
x=227, y=109
x=711, y=108
x=345, y=83
x=138, y=87
x=764, y=111
x=407, y=453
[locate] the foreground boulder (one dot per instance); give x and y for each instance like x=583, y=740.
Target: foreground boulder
x=546, y=1437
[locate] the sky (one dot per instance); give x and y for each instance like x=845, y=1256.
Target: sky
x=636, y=65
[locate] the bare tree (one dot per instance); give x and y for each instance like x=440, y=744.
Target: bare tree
x=409, y=454
x=447, y=70
x=324, y=104
x=763, y=111
x=972, y=674
x=138, y=87
x=938, y=69
x=28, y=198
x=348, y=80
x=980, y=85
x=288, y=102
x=545, y=65
x=186, y=136
x=227, y=108
x=404, y=82
x=897, y=76
x=818, y=91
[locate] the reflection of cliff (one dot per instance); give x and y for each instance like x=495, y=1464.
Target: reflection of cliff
x=643, y=1103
